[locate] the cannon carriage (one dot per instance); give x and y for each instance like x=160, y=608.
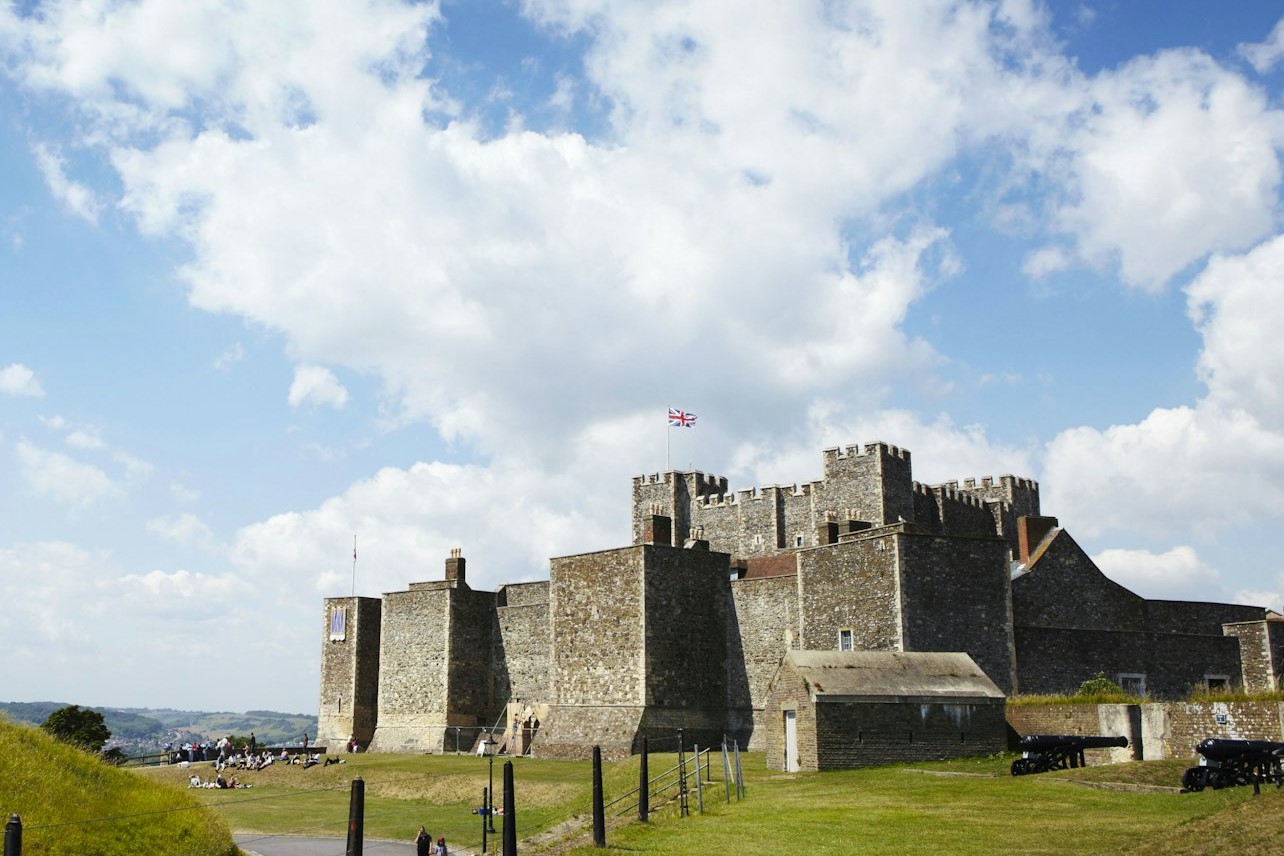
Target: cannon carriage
x=1043, y=752
x=1225, y=763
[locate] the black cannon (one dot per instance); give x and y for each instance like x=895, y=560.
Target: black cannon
x=1043, y=752
x=1225, y=763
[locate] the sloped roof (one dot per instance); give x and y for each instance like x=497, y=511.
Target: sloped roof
x=892, y=676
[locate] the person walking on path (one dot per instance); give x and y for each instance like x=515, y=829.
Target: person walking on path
x=423, y=843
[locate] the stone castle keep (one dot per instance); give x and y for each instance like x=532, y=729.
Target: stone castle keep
x=686, y=627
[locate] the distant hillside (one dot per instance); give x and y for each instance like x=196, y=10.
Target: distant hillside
x=142, y=729
x=72, y=803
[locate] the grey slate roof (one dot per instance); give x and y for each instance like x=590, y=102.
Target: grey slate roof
x=893, y=676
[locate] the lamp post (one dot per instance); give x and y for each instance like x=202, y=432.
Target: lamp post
x=489, y=744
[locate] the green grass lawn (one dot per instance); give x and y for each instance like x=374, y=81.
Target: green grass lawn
x=959, y=807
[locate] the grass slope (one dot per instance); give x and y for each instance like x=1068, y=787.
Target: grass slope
x=72, y=804
x=962, y=807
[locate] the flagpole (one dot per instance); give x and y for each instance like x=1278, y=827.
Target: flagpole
x=668, y=429
x=354, y=565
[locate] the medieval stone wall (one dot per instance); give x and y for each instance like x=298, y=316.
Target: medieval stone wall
x=413, y=669
x=1194, y=617
x=961, y=513
x=955, y=597
x=1057, y=660
x=762, y=624
x=927, y=512
x=1067, y=590
x=685, y=633
x=1008, y=499
x=852, y=585
x=349, y=672
x=861, y=735
x=1155, y=731
x=1172, y=730
x=521, y=657
x=798, y=513
x=472, y=615
x=1082, y=720
x=873, y=484
x=598, y=630
x=1254, y=654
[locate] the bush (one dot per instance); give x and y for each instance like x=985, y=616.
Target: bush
x=1098, y=685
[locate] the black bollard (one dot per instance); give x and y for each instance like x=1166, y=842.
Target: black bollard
x=599, y=813
x=356, y=817
x=13, y=836
x=644, y=788
x=510, y=812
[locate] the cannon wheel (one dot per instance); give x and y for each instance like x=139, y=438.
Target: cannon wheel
x=1195, y=779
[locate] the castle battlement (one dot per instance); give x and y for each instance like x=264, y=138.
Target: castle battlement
x=838, y=453
x=1007, y=482
x=705, y=483
x=950, y=490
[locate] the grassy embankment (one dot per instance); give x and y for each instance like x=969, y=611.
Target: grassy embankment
x=72, y=804
x=878, y=811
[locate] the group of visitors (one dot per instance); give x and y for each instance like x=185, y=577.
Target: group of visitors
x=216, y=783
x=249, y=755
x=423, y=844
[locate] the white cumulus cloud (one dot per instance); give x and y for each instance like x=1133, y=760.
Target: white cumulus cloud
x=1177, y=574
x=63, y=478
x=185, y=529
x=18, y=380
x=317, y=385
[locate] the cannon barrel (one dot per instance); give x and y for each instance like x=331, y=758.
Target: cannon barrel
x=1044, y=742
x=1223, y=748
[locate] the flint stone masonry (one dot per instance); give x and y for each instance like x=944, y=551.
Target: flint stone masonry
x=1156, y=731
x=1071, y=622
x=521, y=655
x=686, y=627
x=762, y=624
x=862, y=708
x=1262, y=652
x=349, y=672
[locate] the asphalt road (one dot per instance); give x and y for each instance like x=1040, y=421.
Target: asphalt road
x=286, y=845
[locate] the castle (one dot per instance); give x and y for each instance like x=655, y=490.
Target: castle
x=686, y=627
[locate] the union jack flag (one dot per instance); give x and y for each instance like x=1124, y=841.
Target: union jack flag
x=681, y=419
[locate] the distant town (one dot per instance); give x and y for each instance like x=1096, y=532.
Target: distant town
x=141, y=730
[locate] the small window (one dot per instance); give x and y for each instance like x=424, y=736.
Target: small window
x=846, y=640
x=338, y=623
x=1217, y=683
x=1133, y=684
x=798, y=540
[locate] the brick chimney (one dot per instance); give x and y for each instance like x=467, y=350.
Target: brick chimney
x=455, y=566
x=657, y=529
x=1030, y=534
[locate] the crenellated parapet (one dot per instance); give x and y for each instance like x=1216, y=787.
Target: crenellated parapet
x=837, y=454
x=703, y=483
x=950, y=492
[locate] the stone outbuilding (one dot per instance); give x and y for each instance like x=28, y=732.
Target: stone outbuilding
x=830, y=710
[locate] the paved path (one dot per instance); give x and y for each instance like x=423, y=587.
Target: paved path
x=288, y=845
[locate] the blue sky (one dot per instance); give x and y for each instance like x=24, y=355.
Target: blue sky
x=429, y=274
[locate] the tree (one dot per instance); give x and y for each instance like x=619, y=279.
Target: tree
x=83, y=728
